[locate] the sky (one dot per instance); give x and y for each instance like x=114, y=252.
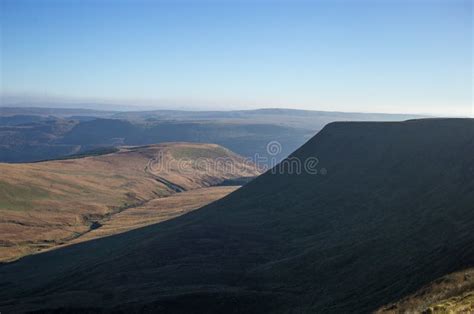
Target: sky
x=363, y=56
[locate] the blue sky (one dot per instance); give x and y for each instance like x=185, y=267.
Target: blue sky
x=380, y=56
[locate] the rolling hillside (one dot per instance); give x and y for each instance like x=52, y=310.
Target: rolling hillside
x=391, y=212
x=49, y=203
x=32, y=134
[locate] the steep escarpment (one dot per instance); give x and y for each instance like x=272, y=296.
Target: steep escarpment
x=388, y=210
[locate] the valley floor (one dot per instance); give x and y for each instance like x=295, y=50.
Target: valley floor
x=150, y=212
x=156, y=210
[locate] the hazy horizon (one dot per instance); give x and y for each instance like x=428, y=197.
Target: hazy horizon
x=236, y=156
x=350, y=56
x=57, y=102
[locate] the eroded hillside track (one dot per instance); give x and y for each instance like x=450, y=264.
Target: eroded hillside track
x=48, y=204
x=149, y=170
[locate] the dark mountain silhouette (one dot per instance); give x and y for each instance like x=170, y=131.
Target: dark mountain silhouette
x=394, y=211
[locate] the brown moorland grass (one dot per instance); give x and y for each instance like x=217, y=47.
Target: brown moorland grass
x=453, y=293
x=157, y=210
x=50, y=203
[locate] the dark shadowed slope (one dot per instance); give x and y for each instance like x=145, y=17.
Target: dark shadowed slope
x=394, y=211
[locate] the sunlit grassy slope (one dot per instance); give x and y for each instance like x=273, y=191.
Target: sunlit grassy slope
x=452, y=293
x=393, y=212
x=49, y=203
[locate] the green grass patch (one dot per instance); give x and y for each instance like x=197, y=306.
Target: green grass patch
x=198, y=152
x=13, y=197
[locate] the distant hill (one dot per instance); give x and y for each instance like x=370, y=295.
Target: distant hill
x=57, y=112
x=26, y=138
x=249, y=140
x=389, y=210
x=49, y=203
x=305, y=119
x=32, y=134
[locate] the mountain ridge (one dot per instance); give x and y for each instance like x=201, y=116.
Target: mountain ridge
x=365, y=234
